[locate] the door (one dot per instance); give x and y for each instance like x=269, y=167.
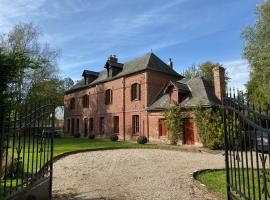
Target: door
x=163, y=131
x=189, y=137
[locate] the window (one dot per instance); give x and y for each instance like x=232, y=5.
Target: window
x=68, y=125
x=108, y=97
x=135, y=124
x=72, y=103
x=135, y=91
x=72, y=126
x=85, y=127
x=91, y=124
x=78, y=126
x=116, y=124
x=101, y=125
x=85, y=101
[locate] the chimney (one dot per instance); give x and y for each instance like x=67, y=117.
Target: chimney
x=219, y=81
x=113, y=59
x=170, y=63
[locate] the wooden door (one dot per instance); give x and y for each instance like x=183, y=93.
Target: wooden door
x=163, y=131
x=189, y=137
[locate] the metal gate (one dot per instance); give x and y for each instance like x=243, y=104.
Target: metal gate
x=247, y=148
x=27, y=152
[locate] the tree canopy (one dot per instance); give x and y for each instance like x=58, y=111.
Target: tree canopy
x=257, y=52
x=203, y=70
x=29, y=69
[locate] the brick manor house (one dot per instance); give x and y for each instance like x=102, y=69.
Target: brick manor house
x=129, y=99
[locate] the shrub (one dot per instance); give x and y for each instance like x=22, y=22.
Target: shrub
x=77, y=135
x=174, y=121
x=114, y=137
x=57, y=134
x=91, y=136
x=142, y=140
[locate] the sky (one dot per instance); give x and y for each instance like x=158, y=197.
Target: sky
x=189, y=31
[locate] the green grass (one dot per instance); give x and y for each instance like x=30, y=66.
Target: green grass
x=216, y=182
x=63, y=145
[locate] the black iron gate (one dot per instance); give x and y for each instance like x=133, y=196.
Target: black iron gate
x=27, y=151
x=247, y=148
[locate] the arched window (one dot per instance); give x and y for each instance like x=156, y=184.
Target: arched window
x=108, y=97
x=135, y=92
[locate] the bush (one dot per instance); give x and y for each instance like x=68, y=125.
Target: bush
x=77, y=135
x=57, y=134
x=114, y=137
x=91, y=136
x=142, y=140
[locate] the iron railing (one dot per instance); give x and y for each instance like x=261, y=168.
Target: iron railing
x=247, y=147
x=26, y=148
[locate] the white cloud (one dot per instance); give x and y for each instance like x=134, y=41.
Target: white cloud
x=14, y=11
x=238, y=71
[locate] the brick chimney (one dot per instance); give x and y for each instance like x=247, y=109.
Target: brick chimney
x=219, y=81
x=113, y=59
x=170, y=63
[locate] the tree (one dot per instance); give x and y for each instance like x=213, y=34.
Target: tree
x=37, y=62
x=204, y=70
x=257, y=52
x=68, y=83
x=48, y=90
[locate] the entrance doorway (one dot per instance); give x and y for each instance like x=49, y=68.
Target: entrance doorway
x=189, y=135
x=163, y=131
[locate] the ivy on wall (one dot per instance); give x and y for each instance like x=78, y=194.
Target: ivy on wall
x=210, y=127
x=174, y=121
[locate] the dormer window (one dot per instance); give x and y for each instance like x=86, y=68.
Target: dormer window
x=85, y=101
x=108, y=97
x=72, y=104
x=89, y=76
x=135, y=91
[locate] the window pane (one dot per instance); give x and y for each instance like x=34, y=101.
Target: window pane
x=116, y=124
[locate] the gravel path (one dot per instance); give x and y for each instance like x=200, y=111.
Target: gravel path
x=138, y=174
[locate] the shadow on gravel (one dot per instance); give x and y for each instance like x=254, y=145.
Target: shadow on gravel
x=72, y=196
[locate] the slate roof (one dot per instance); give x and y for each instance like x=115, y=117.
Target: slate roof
x=200, y=93
x=147, y=62
x=89, y=72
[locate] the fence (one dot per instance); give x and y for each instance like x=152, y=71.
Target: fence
x=247, y=147
x=26, y=148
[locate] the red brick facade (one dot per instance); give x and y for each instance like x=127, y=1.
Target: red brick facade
x=121, y=105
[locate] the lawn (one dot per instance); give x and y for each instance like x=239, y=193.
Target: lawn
x=216, y=182
x=68, y=144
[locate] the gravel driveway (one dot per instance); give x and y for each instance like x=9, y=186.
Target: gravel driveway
x=132, y=174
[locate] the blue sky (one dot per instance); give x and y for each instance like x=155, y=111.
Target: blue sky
x=188, y=31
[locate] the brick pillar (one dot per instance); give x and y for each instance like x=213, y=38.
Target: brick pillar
x=219, y=81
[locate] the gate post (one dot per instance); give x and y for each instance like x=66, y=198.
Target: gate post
x=226, y=149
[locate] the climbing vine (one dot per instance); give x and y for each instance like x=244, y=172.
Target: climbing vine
x=174, y=121
x=210, y=127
